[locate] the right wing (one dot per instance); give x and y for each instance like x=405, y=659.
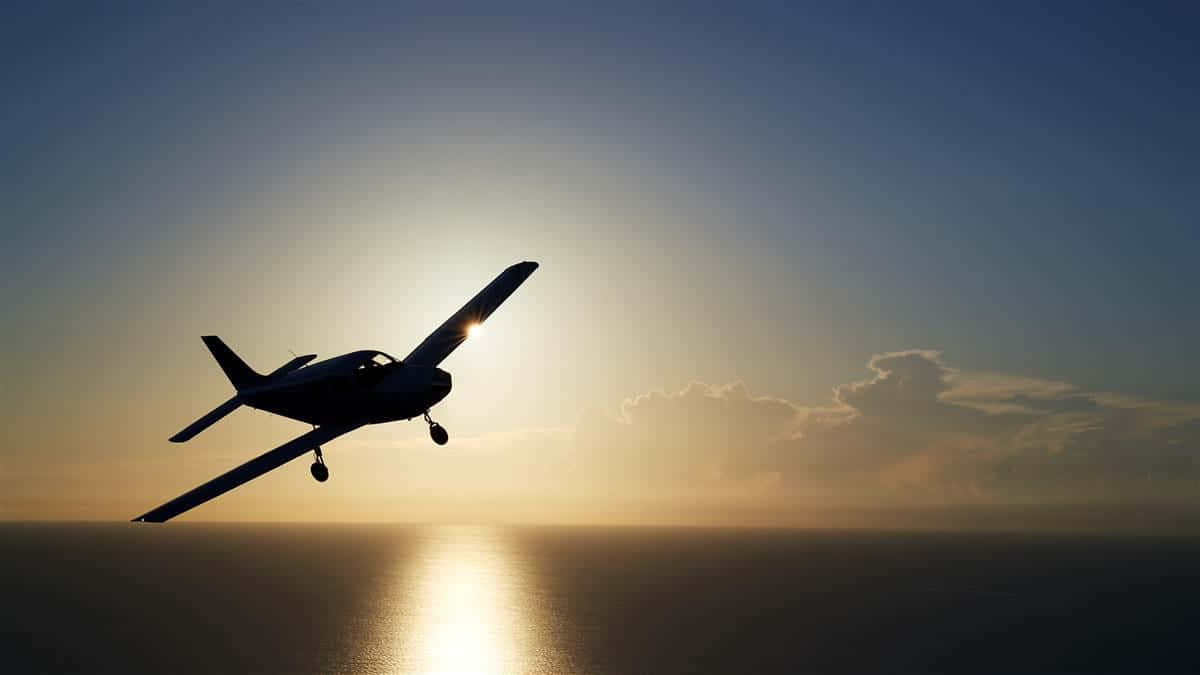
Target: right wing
x=453, y=332
x=246, y=472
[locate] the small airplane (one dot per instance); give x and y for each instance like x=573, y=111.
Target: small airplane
x=339, y=395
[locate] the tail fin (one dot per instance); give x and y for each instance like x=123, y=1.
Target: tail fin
x=240, y=374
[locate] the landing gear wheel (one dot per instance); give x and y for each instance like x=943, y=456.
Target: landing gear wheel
x=319, y=471
x=318, y=468
x=438, y=433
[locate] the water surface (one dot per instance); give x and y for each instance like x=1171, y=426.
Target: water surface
x=371, y=598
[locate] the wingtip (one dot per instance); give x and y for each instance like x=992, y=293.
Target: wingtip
x=523, y=268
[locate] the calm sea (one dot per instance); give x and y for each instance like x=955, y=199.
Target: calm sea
x=188, y=598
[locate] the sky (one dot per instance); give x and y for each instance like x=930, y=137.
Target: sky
x=793, y=255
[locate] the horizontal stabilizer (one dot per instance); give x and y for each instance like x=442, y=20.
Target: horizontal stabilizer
x=207, y=421
x=295, y=364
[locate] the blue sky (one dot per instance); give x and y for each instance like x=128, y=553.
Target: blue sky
x=765, y=193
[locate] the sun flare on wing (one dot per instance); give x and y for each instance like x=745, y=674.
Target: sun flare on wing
x=475, y=330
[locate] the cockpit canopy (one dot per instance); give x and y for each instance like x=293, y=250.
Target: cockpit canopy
x=364, y=362
x=373, y=359
x=366, y=358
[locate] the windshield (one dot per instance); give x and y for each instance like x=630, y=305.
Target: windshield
x=380, y=359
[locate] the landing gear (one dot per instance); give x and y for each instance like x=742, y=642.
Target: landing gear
x=318, y=468
x=436, y=431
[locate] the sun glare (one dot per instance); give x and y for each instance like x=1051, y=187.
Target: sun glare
x=466, y=609
x=475, y=330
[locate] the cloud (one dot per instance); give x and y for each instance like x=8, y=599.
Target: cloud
x=1064, y=404
x=915, y=430
x=680, y=440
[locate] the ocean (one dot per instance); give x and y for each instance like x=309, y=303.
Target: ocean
x=235, y=598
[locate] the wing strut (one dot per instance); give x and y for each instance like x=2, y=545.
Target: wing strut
x=247, y=472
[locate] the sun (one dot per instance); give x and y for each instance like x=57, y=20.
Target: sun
x=475, y=330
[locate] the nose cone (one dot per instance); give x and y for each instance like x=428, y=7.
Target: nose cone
x=441, y=383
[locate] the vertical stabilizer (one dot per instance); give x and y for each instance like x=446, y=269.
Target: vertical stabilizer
x=240, y=374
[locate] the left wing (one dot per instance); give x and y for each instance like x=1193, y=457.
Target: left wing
x=451, y=334
x=246, y=472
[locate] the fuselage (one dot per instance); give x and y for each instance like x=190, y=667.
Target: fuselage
x=366, y=386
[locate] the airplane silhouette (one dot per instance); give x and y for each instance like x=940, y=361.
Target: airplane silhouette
x=339, y=395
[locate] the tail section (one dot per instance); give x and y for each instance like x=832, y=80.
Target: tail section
x=240, y=374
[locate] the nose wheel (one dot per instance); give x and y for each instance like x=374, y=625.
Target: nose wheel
x=436, y=431
x=318, y=469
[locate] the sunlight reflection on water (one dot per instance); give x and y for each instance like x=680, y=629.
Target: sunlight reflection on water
x=466, y=604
